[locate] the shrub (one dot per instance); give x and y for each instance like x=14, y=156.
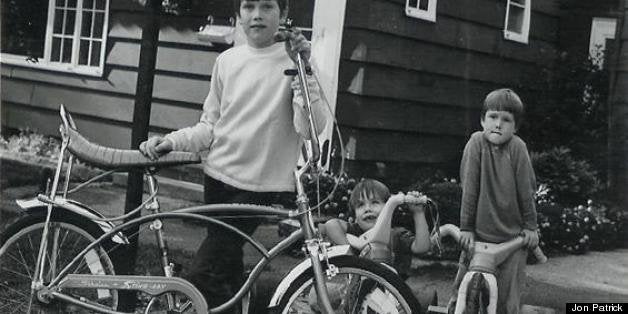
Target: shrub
x=33, y=144
x=577, y=229
x=573, y=181
x=566, y=106
x=338, y=205
x=45, y=151
x=447, y=194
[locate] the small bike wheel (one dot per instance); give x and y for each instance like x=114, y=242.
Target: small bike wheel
x=19, y=247
x=477, y=295
x=360, y=286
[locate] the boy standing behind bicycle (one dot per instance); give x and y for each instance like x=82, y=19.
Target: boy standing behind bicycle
x=498, y=186
x=253, y=123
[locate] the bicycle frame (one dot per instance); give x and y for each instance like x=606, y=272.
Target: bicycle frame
x=486, y=257
x=157, y=285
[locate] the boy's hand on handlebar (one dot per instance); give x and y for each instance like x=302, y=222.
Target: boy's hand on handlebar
x=530, y=238
x=295, y=43
x=467, y=240
x=155, y=146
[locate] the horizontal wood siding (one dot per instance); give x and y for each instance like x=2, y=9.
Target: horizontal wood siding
x=410, y=90
x=405, y=146
x=103, y=106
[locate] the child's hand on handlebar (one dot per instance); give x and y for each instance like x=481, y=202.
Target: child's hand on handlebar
x=156, y=146
x=530, y=238
x=467, y=240
x=416, y=201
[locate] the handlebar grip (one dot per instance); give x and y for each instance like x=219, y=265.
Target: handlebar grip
x=540, y=256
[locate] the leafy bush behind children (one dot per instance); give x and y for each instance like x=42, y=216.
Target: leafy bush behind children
x=338, y=206
x=577, y=229
x=572, y=181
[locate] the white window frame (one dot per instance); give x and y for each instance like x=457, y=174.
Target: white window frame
x=416, y=12
x=602, y=28
x=72, y=67
x=525, y=27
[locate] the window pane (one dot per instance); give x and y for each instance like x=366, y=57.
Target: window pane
x=414, y=3
x=99, y=24
x=69, y=23
x=23, y=32
x=66, y=57
x=60, y=3
x=83, y=52
x=56, y=49
x=423, y=4
x=71, y=3
x=522, y=2
x=86, y=28
x=95, y=61
x=88, y=4
x=515, y=19
x=58, y=25
x=100, y=4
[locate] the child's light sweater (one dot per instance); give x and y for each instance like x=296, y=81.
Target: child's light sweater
x=250, y=123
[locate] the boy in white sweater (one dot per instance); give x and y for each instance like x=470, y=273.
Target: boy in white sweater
x=253, y=124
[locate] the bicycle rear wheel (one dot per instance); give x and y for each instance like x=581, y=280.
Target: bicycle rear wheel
x=361, y=286
x=19, y=246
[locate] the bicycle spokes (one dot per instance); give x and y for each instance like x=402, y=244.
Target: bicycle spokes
x=18, y=259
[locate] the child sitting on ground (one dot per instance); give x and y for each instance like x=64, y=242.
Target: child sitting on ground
x=371, y=232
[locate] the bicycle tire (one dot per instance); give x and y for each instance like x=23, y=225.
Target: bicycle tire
x=477, y=295
x=361, y=286
x=19, y=246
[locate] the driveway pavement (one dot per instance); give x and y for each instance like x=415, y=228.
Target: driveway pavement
x=593, y=277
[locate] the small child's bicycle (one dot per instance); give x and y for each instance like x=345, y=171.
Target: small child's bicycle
x=60, y=256
x=478, y=290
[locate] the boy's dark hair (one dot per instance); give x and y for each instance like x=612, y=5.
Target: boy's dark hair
x=504, y=99
x=283, y=6
x=367, y=188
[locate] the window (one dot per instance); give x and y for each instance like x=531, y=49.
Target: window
x=421, y=9
x=517, y=22
x=602, y=29
x=61, y=35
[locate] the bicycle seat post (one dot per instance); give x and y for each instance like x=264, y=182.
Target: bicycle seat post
x=153, y=206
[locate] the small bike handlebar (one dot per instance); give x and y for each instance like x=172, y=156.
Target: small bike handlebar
x=487, y=256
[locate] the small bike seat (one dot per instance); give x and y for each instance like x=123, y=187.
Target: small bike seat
x=122, y=159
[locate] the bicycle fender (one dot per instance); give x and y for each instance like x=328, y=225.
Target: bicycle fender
x=34, y=205
x=302, y=267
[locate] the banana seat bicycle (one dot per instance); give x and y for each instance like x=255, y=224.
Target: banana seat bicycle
x=58, y=257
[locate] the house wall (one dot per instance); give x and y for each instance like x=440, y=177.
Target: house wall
x=410, y=90
x=575, y=24
x=103, y=106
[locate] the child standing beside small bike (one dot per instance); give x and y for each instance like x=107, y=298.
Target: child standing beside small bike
x=498, y=188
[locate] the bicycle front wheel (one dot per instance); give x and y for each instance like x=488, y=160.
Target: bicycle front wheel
x=360, y=286
x=19, y=247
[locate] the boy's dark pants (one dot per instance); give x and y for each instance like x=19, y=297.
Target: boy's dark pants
x=218, y=266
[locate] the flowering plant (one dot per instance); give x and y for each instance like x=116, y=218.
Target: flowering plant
x=577, y=229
